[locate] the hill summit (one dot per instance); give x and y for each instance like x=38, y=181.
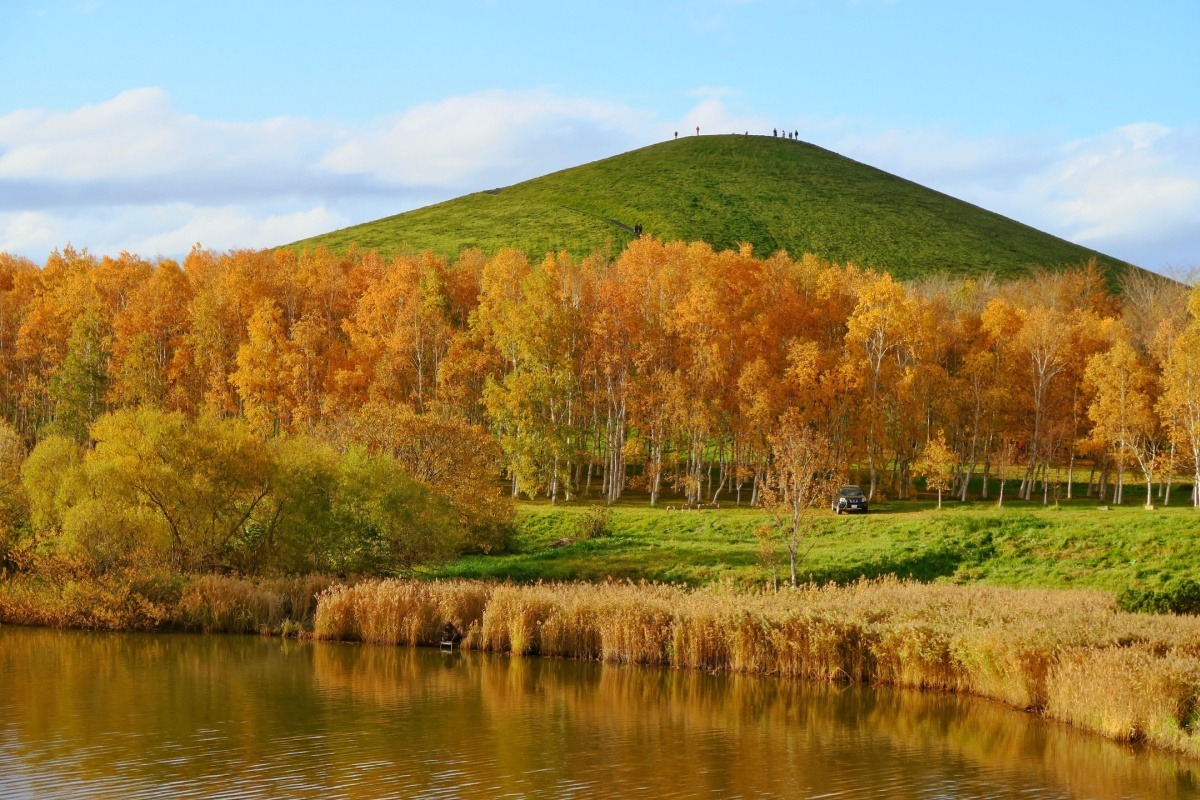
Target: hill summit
x=774, y=193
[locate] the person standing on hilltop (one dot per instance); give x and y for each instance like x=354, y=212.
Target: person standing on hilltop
x=697, y=130
x=676, y=134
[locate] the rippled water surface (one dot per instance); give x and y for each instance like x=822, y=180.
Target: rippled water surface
x=138, y=716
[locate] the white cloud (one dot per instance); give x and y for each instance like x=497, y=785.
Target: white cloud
x=458, y=141
x=1138, y=182
x=711, y=115
x=27, y=232
x=168, y=229
x=1132, y=192
x=233, y=227
x=138, y=147
x=139, y=135
x=134, y=173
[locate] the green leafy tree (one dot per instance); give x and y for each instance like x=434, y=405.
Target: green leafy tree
x=296, y=528
x=393, y=521
x=14, y=510
x=199, y=480
x=51, y=478
x=68, y=516
x=79, y=386
x=354, y=512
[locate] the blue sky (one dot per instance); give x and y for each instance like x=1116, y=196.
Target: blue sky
x=150, y=126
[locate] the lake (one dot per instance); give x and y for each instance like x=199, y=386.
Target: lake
x=130, y=716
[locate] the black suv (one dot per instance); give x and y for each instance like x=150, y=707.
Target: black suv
x=850, y=498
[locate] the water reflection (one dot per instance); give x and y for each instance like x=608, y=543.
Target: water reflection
x=108, y=715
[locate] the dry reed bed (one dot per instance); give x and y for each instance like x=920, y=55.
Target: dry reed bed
x=1070, y=655
x=103, y=603
x=129, y=602
x=215, y=603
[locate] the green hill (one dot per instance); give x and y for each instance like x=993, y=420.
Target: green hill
x=773, y=193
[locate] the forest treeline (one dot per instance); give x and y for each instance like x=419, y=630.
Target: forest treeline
x=665, y=369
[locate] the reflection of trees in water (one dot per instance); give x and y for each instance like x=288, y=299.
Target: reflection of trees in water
x=776, y=728
x=150, y=708
x=241, y=712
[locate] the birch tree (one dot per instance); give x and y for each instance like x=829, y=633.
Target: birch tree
x=801, y=479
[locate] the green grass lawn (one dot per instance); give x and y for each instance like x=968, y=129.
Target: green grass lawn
x=1023, y=544
x=773, y=193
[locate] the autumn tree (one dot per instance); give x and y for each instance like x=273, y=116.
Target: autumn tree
x=455, y=458
x=665, y=368
x=19, y=283
x=802, y=478
x=63, y=292
x=875, y=335
x=936, y=465
x=261, y=377
x=398, y=333
x=632, y=336
x=227, y=290
x=147, y=335
x=1180, y=403
x=1122, y=409
x=537, y=404
x=1042, y=342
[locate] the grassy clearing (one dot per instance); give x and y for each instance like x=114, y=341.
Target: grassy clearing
x=773, y=193
x=1023, y=544
x=1070, y=655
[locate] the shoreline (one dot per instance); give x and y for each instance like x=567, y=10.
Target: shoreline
x=1069, y=656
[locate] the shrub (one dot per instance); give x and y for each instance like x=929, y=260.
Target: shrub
x=594, y=523
x=1182, y=597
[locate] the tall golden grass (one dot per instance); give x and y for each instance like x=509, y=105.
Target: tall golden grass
x=402, y=612
x=223, y=604
x=58, y=594
x=1070, y=655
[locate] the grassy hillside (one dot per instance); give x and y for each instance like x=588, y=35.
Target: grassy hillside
x=773, y=193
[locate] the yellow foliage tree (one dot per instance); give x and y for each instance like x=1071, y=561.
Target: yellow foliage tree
x=802, y=478
x=936, y=465
x=1180, y=403
x=1122, y=409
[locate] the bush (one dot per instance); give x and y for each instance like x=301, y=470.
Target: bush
x=595, y=523
x=1181, y=597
